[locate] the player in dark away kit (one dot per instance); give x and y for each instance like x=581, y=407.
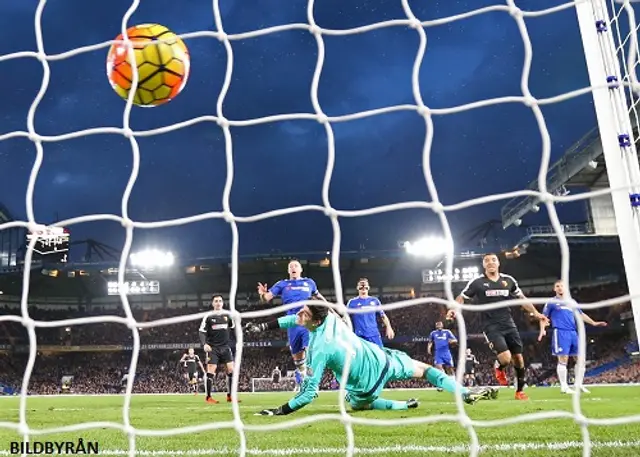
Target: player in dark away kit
x=191, y=361
x=214, y=336
x=470, y=363
x=500, y=330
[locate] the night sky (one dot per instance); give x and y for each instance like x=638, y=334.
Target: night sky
x=378, y=159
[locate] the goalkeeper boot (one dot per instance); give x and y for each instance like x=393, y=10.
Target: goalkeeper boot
x=412, y=403
x=211, y=400
x=477, y=394
x=229, y=399
x=521, y=396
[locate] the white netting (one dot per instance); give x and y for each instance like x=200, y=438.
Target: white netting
x=599, y=13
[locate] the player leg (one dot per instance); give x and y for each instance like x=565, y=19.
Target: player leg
x=498, y=345
x=448, y=365
x=514, y=343
x=298, y=342
x=560, y=349
x=193, y=381
x=230, y=368
x=578, y=367
x=403, y=367
x=210, y=375
x=364, y=402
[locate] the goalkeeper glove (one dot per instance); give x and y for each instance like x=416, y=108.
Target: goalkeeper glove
x=279, y=411
x=255, y=328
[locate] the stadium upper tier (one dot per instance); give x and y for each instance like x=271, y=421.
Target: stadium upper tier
x=390, y=273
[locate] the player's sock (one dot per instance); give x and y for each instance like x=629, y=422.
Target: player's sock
x=382, y=403
x=209, y=385
x=301, y=367
x=441, y=380
x=502, y=367
x=229, y=383
x=520, y=371
x=561, y=369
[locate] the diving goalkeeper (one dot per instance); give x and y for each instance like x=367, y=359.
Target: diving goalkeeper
x=371, y=367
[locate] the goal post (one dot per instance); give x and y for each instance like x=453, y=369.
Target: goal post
x=617, y=135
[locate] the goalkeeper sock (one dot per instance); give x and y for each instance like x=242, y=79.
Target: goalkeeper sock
x=441, y=380
x=519, y=378
x=382, y=403
x=561, y=369
x=229, y=383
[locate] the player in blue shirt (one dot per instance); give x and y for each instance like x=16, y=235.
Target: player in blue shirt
x=293, y=290
x=365, y=325
x=564, y=339
x=440, y=339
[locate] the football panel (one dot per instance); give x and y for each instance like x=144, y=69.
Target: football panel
x=145, y=96
x=156, y=29
x=122, y=92
x=165, y=52
x=152, y=82
x=145, y=72
x=118, y=79
x=151, y=54
x=171, y=79
x=175, y=66
x=162, y=93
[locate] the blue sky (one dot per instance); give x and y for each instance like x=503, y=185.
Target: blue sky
x=378, y=159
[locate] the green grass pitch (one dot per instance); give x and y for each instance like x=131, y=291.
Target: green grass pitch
x=160, y=417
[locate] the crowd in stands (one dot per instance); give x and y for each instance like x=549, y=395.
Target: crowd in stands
x=158, y=370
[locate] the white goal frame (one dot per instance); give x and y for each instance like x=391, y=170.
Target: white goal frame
x=623, y=175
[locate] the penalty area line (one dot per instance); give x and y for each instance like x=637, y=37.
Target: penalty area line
x=456, y=449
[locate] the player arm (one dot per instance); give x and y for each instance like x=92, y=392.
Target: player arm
x=517, y=293
x=281, y=322
x=451, y=337
x=590, y=321
x=202, y=331
x=268, y=295
x=308, y=390
x=467, y=293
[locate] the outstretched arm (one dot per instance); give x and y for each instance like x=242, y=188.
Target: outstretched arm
x=590, y=321
x=308, y=390
x=281, y=322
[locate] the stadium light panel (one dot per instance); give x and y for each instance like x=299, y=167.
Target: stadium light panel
x=151, y=259
x=429, y=247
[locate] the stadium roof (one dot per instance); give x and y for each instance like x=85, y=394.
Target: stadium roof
x=583, y=165
x=5, y=215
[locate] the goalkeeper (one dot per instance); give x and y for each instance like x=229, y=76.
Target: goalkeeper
x=371, y=367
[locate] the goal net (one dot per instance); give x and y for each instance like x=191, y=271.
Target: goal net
x=608, y=33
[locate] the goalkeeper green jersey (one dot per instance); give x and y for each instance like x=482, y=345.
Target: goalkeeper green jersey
x=329, y=347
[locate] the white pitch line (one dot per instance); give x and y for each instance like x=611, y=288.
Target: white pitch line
x=455, y=449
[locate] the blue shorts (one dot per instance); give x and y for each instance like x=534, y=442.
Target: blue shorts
x=564, y=342
x=399, y=367
x=444, y=359
x=375, y=339
x=298, y=339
